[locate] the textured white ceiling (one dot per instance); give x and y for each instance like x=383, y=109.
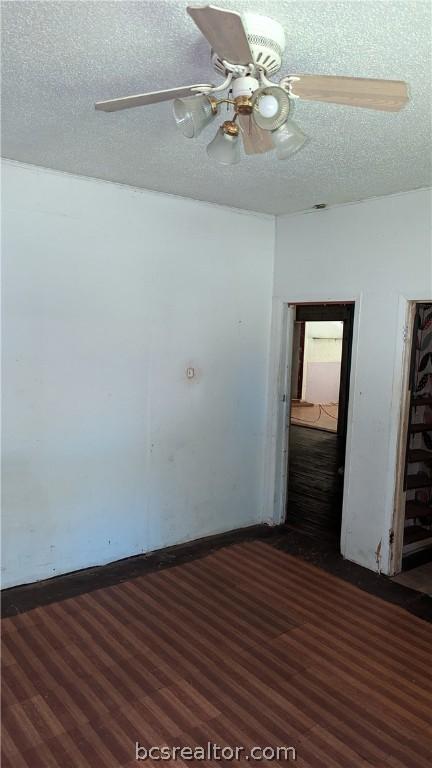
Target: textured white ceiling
x=59, y=57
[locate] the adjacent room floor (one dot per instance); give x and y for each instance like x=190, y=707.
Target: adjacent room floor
x=318, y=416
x=315, y=482
x=419, y=578
x=245, y=646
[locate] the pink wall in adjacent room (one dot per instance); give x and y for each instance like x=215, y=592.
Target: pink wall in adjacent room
x=322, y=382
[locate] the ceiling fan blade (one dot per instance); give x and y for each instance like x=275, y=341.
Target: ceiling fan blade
x=224, y=31
x=255, y=140
x=386, y=95
x=141, y=99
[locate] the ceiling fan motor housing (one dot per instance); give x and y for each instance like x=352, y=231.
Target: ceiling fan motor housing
x=244, y=86
x=266, y=39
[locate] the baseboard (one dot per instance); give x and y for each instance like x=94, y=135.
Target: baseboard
x=24, y=597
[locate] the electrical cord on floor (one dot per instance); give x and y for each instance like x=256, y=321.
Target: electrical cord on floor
x=315, y=421
x=328, y=414
x=306, y=421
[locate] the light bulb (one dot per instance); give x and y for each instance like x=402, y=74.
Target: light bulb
x=268, y=105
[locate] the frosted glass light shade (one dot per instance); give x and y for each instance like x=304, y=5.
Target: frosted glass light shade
x=288, y=139
x=224, y=149
x=192, y=115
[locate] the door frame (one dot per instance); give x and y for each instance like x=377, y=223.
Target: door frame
x=300, y=375
x=279, y=409
x=279, y=413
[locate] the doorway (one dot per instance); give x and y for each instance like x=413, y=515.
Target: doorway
x=412, y=550
x=320, y=374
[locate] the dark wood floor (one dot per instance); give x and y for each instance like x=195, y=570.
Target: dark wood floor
x=245, y=646
x=314, y=486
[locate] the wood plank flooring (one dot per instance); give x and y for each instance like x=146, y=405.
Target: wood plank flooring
x=245, y=646
x=314, y=502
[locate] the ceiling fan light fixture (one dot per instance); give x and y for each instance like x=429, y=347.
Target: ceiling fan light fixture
x=247, y=49
x=193, y=114
x=288, y=139
x=225, y=147
x=271, y=107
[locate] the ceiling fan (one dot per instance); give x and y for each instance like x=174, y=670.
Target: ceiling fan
x=247, y=50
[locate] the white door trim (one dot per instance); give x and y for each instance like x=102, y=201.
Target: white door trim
x=278, y=410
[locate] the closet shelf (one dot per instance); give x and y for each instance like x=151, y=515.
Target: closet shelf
x=420, y=427
x=419, y=480
x=416, y=455
x=415, y=509
x=419, y=400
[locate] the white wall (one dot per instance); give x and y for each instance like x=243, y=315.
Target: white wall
x=322, y=361
x=322, y=382
x=109, y=294
x=379, y=253
x=324, y=329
